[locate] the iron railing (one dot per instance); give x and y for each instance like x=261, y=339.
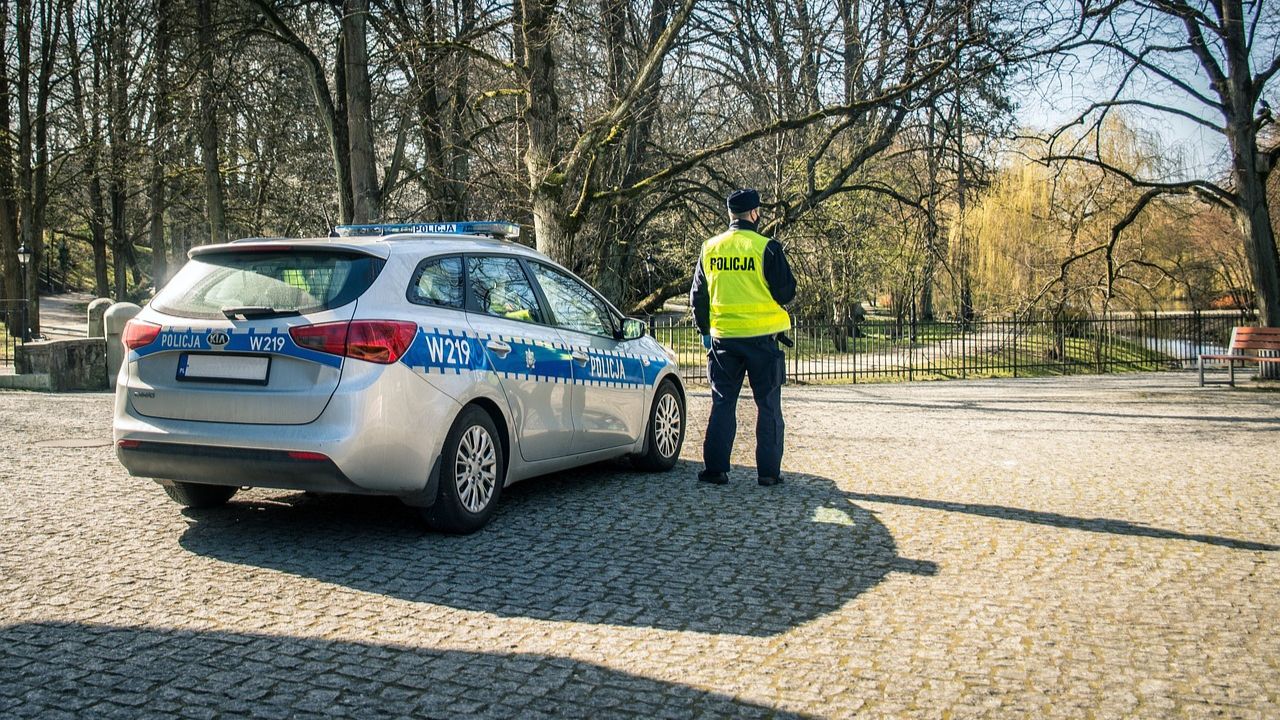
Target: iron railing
x=878, y=350
x=13, y=320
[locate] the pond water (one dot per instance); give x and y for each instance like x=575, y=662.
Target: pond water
x=1182, y=348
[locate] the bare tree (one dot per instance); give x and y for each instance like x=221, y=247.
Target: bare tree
x=85, y=39
x=365, y=192
x=161, y=155
x=34, y=87
x=1160, y=49
x=8, y=189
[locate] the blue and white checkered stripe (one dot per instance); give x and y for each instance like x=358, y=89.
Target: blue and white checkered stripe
x=275, y=342
x=453, y=352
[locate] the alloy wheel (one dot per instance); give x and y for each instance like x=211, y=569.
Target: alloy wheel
x=667, y=423
x=476, y=469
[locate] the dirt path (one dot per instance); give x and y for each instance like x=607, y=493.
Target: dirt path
x=63, y=315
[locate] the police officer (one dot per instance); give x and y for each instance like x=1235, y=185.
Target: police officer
x=739, y=287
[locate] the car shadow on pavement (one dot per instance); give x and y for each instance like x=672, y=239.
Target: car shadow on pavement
x=80, y=670
x=1036, y=517
x=603, y=544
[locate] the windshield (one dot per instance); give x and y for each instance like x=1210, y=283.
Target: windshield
x=283, y=282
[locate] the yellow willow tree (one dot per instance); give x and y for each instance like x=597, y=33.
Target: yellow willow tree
x=1070, y=238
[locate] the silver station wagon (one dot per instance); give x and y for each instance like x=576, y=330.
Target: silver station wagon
x=434, y=362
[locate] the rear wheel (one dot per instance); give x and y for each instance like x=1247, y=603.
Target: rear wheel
x=471, y=475
x=195, y=495
x=665, y=434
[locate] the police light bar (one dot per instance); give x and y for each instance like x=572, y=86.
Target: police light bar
x=493, y=228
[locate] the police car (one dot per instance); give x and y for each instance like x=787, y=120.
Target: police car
x=434, y=362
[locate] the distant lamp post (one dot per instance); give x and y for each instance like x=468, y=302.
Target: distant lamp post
x=24, y=257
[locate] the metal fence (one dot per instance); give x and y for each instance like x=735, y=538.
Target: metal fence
x=887, y=350
x=13, y=318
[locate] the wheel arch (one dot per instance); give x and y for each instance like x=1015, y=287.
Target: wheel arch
x=674, y=378
x=500, y=422
x=676, y=381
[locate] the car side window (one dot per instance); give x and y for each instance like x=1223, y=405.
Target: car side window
x=438, y=282
x=500, y=288
x=576, y=307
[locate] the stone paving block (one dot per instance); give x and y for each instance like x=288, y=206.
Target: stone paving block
x=1046, y=548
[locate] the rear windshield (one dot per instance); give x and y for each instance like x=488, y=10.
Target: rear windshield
x=286, y=282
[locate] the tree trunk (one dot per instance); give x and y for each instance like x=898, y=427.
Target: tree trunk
x=118, y=135
x=50, y=31
x=1254, y=218
x=367, y=204
x=33, y=136
x=98, y=234
x=852, y=51
x=541, y=115
x=12, y=277
x=456, y=189
x=26, y=231
x=961, y=266
x=423, y=67
x=91, y=139
x=627, y=160
x=157, y=195
x=1250, y=174
x=932, y=249
x=553, y=238
x=1252, y=214
x=209, y=124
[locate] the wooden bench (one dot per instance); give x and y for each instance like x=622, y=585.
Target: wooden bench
x=1243, y=341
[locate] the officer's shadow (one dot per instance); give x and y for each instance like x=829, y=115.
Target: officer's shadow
x=602, y=544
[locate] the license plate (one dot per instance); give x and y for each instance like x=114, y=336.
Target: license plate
x=225, y=368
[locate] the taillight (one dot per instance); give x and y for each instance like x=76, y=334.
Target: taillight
x=138, y=333
x=326, y=337
x=306, y=455
x=379, y=341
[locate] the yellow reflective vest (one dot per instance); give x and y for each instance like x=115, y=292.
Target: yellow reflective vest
x=295, y=278
x=741, y=305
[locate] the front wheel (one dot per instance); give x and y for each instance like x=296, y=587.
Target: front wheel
x=471, y=475
x=665, y=434
x=197, y=496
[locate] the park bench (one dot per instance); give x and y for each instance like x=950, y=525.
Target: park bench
x=1243, y=341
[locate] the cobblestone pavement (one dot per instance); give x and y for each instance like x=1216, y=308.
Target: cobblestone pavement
x=1090, y=546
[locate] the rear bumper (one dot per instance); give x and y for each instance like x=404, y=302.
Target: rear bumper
x=210, y=465
x=381, y=431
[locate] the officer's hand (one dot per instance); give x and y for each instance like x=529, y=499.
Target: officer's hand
x=706, y=342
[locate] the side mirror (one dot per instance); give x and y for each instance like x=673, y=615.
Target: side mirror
x=633, y=329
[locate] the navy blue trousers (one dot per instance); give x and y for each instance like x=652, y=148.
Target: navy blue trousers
x=759, y=359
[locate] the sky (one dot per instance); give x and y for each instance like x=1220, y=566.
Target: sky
x=1048, y=105
x=1057, y=91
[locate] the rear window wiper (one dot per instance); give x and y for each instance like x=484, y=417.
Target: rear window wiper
x=256, y=311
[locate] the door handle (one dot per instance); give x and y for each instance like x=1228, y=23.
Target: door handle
x=580, y=357
x=498, y=347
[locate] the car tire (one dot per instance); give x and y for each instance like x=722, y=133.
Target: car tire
x=472, y=471
x=664, y=435
x=197, y=496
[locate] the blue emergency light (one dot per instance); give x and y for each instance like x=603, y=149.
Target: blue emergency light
x=493, y=228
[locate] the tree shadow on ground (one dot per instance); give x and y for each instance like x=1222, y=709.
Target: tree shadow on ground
x=597, y=545
x=81, y=670
x=1016, y=407
x=1098, y=525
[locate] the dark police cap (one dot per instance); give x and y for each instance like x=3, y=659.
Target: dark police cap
x=741, y=201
